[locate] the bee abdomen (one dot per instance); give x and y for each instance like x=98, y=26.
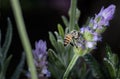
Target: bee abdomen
x=67, y=39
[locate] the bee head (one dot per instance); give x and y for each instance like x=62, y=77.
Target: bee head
x=75, y=34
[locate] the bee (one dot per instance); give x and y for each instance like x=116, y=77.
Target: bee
x=71, y=38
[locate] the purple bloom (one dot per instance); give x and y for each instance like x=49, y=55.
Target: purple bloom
x=85, y=29
x=40, y=57
x=90, y=44
x=96, y=37
x=108, y=12
x=93, y=24
x=40, y=49
x=105, y=15
x=92, y=33
x=45, y=71
x=82, y=30
x=80, y=43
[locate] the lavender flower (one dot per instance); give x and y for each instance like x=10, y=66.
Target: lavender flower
x=89, y=35
x=40, y=59
x=90, y=44
x=40, y=50
x=105, y=15
x=92, y=33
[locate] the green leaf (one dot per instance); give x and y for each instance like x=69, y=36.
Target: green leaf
x=52, y=55
x=7, y=61
x=77, y=15
x=65, y=21
x=88, y=75
x=55, y=42
x=68, y=54
x=61, y=31
x=52, y=40
x=66, y=30
x=57, y=35
x=59, y=38
x=118, y=72
x=57, y=73
x=80, y=68
x=94, y=66
x=8, y=39
x=110, y=67
x=111, y=56
x=61, y=47
x=55, y=64
x=83, y=71
x=77, y=27
x=71, y=65
x=109, y=52
x=19, y=68
x=72, y=14
x=115, y=59
x=4, y=67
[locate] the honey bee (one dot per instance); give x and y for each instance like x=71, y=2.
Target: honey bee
x=71, y=38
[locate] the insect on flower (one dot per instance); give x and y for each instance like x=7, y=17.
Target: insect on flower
x=71, y=38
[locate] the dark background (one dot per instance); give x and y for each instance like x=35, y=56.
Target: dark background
x=42, y=16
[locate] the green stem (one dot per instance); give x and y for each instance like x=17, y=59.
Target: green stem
x=70, y=66
x=72, y=14
x=24, y=37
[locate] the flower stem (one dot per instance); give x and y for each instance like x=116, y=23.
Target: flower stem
x=24, y=37
x=72, y=14
x=70, y=66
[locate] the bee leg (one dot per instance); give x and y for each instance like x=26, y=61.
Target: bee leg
x=71, y=44
x=75, y=45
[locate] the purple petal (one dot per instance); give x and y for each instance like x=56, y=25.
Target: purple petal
x=108, y=12
x=106, y=15
x=90, y=44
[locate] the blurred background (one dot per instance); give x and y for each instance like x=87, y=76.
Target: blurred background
x=42, y=16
